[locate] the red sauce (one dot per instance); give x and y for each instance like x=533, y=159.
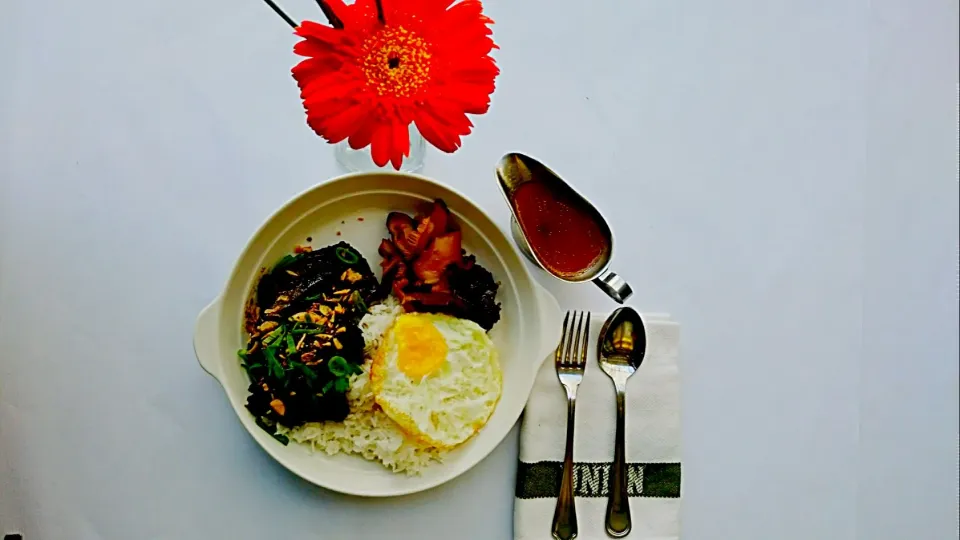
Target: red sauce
x=564, y=237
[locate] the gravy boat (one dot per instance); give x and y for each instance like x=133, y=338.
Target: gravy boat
x=515, y=169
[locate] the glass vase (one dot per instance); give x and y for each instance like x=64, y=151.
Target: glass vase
x=362, y=160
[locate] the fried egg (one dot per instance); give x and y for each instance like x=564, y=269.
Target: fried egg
x=438, y=377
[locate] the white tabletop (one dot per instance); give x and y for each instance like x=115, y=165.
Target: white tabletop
x=782, y=175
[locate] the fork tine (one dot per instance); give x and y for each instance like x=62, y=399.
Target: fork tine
x=573, y=356
x=568, y=353
x=586, y=339
x=558, y=355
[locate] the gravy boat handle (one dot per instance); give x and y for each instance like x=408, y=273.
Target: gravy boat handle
x=613, y=285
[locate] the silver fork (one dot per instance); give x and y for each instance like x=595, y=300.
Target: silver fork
x=570, y=360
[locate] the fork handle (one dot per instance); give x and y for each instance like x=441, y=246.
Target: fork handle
x=618, y=505
x=565, y=514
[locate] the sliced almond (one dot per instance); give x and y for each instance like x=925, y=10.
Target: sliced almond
x=306, y=316
x=351, y=276
x=337, y=344
x=268, y=326
x=278, y=407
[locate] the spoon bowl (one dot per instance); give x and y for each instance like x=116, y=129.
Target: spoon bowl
x=623, y=342
x=620, y=351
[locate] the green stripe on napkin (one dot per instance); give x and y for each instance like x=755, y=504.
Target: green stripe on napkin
x=542, y=479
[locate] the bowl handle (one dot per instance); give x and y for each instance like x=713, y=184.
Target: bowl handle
x=205, y=338
x=551, y=321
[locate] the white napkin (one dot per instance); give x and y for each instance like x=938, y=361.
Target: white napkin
x=652, y=443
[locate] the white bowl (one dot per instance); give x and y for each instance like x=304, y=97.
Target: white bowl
x=356, y=205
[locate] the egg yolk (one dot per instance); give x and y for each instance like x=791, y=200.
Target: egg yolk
x=421, y=349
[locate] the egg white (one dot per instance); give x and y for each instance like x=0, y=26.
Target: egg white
x=447, y=406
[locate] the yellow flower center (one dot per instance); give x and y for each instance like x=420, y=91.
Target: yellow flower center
x=396, y=62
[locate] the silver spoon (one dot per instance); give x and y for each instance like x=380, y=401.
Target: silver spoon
x=620, y=351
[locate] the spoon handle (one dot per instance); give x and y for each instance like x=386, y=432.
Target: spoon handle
x=618, y=505
x=565, y=513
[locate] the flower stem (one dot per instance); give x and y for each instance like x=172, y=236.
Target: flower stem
x=280, y=12
x=330, y=15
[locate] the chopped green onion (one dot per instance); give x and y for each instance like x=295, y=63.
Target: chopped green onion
x=311, y=298
x=248, y=367
x=242, y=353
x=284, y=262
x=291, y=345
x=327, y=387
x=341, y=384
x=265, y=424
x=307, y=331
x=358, y=301
x=273, y=336
x=346, y=255
x=339, y=366
x=309, y=373
x=275, y=368
x=270, y=428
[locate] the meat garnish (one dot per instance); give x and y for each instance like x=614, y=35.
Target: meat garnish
x=431, y=225
x=404, y=234
x=426, y=268
x=443, y=251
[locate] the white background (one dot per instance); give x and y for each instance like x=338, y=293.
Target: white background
x=782, y=175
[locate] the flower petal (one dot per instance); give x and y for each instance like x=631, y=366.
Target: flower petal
x=364, y=132
x=340, y=125
x=318, y=48
x=361, y=15
x=325, y=89
x=401, y=144
x=435, y=132
x=380, y=145
x=318, y=31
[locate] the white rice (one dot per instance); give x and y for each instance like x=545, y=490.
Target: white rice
x=376, y=322
x=367, y=431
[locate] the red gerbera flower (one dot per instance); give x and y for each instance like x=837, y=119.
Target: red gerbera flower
x=427, y=62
